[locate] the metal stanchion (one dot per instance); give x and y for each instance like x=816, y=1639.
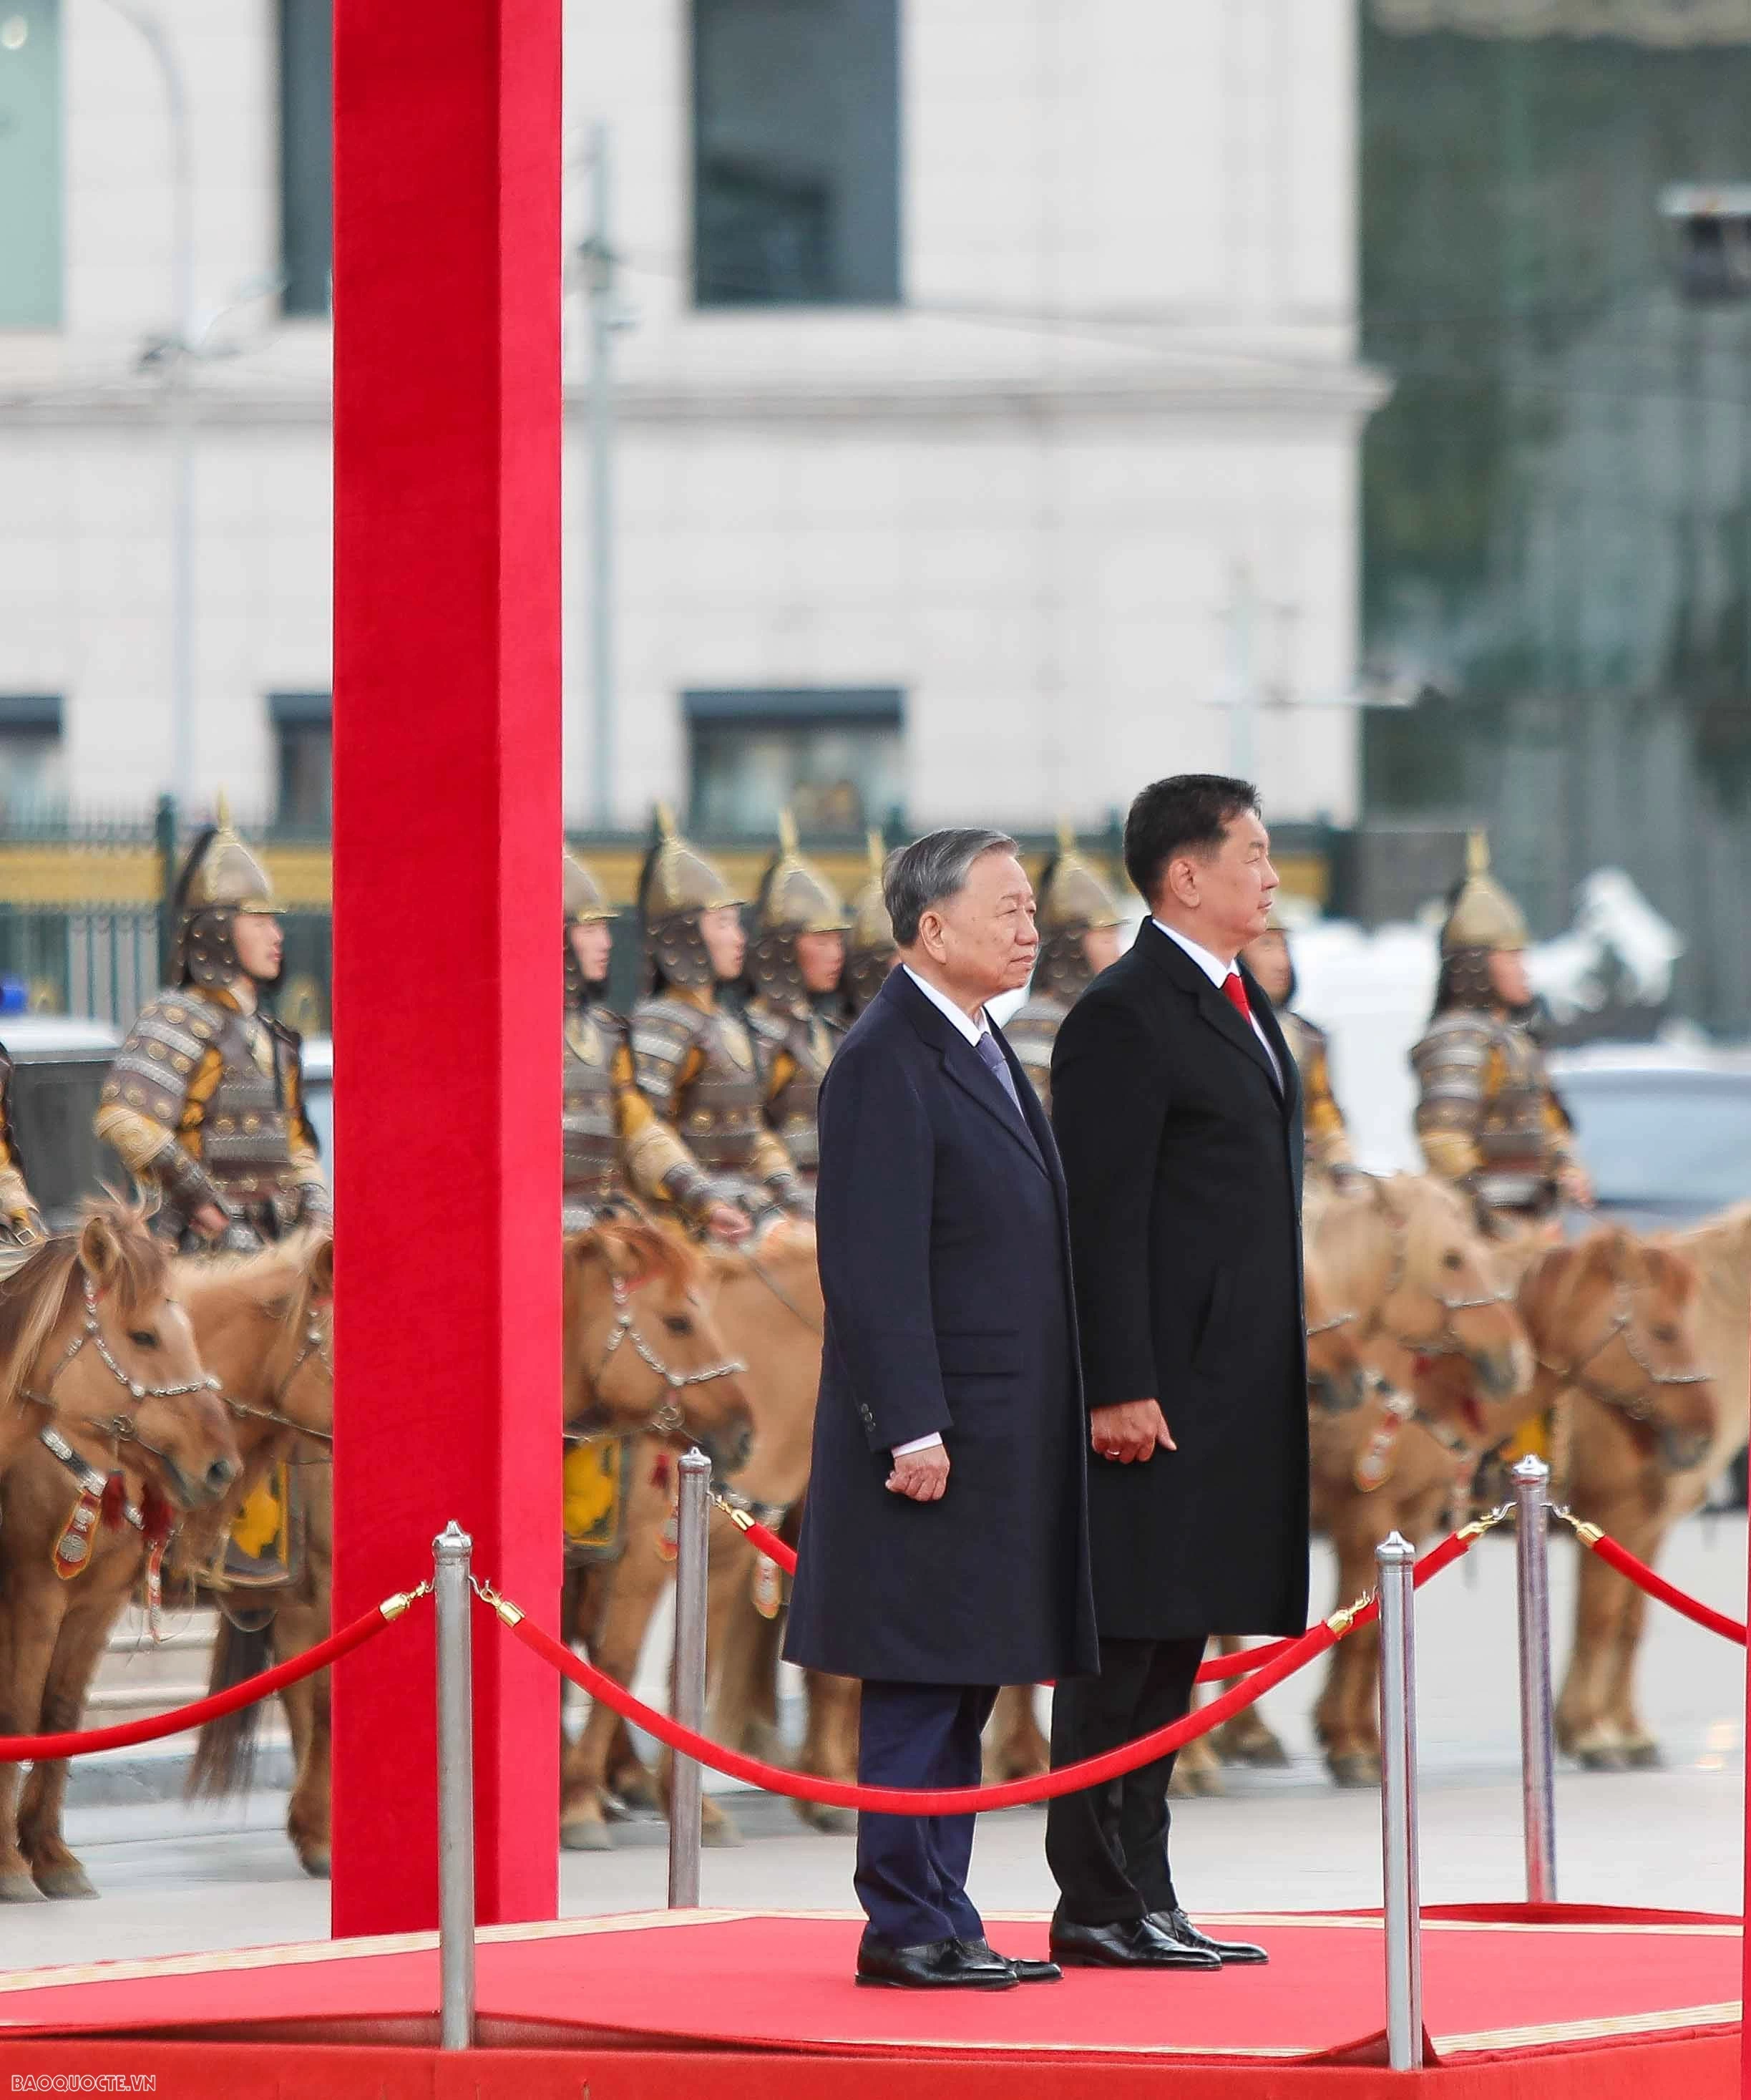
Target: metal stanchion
x=1395, y=1561
x=686, y=1794
x=1531, y=1479
x=455, y=1788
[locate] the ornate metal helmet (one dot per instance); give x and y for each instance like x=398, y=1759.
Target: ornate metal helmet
x=1073, y=900
x=220, y=878
x=794, y=899
x=1276, y=923
x=871, y=950
x=677, y=887
x=585, y=906
x=1482, y=918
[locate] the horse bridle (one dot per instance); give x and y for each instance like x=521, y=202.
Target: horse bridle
x=119, y=1428
x=313, y=1345
x=665, y=1417
x=1443, y=1342
x=784, y=1297
x=1639, y=1407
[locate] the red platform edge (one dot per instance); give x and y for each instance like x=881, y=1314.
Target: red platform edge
x=739, y=2003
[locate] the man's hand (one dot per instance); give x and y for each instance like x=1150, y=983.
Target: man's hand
x=922, y=1476
x=725, y=1221
x=209, y=1221
x=1573, y=1180
x=1130, y=1432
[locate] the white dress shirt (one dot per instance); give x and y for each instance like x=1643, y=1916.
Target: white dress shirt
x=1219, y=973
x=973, y=1030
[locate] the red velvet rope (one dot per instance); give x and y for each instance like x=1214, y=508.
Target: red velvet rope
x=80, y=1742
x=1656, y=1586
x=1291, y=1656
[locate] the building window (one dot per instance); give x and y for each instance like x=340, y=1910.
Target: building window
x=30, y=164
x=832, y=757
x=306, y=151
x=795, y=152
x=304, y=735
x=33, y=771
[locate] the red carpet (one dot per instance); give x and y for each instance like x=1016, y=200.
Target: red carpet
x=1612, y=2006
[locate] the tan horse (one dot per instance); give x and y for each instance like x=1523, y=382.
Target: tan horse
x=265, y=1325
x=90, y=1338
x=767, y=1307
x=1573, y=1302
x=625, y=1283
x=1635, y=1480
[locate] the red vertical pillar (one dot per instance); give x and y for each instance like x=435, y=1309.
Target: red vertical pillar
x=446, y=918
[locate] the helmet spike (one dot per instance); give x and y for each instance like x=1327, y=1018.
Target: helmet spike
x=1066, y=835
x=1477, y=853
x=786, y=832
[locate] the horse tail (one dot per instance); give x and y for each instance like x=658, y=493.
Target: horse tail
x=224, y=1759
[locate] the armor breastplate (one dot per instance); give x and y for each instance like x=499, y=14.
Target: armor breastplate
x=718, y=1111
x=590, y=1128
x=793, y=1110
x=246, y=1136
x=1513, y=1137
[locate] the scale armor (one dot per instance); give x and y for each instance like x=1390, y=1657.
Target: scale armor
x=596, y=1054
x=871, y=951
x=206, y=1102
x=795, y=1043
x=1487, y=1116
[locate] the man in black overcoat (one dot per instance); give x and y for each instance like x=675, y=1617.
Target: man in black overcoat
x=945, y=1544
x=1178, y=1116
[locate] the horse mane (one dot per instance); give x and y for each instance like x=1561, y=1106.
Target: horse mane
x=635, y=1245
x=40, y=1292
x=276, y=1279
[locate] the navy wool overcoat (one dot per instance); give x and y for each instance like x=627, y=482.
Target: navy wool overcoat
x=945, y=1259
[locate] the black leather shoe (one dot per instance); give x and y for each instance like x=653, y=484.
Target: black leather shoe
x=1026, y=1972
x=1134, y=1943
x=938, y=1965
x=1175, y=1926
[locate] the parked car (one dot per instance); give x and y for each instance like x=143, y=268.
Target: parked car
x=1665, y=1130
x=59, y=1066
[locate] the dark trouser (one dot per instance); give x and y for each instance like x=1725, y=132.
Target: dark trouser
x=1107, y=1847
x=911, y=1872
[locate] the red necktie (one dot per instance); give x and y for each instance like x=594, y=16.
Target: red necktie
x=1237, y=995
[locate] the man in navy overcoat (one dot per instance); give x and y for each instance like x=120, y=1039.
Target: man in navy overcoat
x=944, y=1549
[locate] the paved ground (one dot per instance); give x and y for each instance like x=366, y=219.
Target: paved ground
x=176, y=1880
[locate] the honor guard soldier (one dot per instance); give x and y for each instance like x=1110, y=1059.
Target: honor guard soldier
x=1078, y=937
x=1326, y=1135
x=204, y=1101
x=600, y=1099
x=798, y=959
x=20, y=1222
x=707, y=1150
x=1488, y=1118
x=872, y=953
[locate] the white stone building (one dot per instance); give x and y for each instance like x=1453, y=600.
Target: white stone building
x=988, y=416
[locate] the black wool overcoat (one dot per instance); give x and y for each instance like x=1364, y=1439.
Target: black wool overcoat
x=944, y=1245
x=1183, y=1161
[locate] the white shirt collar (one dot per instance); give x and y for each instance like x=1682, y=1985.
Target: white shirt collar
x=1212, y=966
x=972, y=1030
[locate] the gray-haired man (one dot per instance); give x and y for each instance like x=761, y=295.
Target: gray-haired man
x=944, y=1546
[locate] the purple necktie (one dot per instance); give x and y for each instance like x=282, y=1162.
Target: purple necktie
x=998, y=1065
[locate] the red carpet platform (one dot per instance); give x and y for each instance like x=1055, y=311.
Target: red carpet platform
x=1609, y=2006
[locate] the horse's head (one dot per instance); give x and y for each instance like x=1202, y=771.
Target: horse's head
x=91, y=1334
x=1446, y=1293
x=641, y=1351
x=263, y=1325
x=1613, y=1318
x=1338, y=1379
